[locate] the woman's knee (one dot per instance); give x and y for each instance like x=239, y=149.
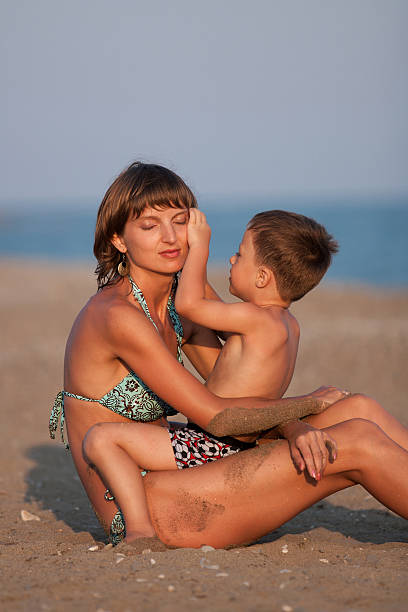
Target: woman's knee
x=363, y=435
x=360, y=406
x=94, y=442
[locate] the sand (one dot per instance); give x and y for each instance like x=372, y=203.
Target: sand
x=346, y=553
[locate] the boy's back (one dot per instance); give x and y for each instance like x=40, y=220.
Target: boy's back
x=261, y=361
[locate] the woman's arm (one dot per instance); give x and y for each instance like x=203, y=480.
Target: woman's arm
x=145, y=353
x=240, y=419
x=202, y=347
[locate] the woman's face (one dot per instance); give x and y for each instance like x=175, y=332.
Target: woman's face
x=157, y=240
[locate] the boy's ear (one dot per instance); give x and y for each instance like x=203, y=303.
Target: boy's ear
x=118, y=243
x=263, y=277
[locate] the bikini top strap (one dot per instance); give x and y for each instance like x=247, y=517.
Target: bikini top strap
x=80, y=397
x=178, y=328
x=58, y=415
x=139, y=297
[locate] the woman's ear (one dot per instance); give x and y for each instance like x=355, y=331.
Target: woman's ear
x=118, y=243
x=263, y=277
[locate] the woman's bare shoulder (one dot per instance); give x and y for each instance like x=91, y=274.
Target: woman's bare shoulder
x=106, y=311
x=117, y=313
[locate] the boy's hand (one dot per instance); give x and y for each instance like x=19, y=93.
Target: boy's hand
x=198, y=230
x=327, y=396
x=309, y=447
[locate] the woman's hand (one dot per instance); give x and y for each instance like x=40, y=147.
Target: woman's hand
x=310, y=448
x=326, y=396
x=198, y=230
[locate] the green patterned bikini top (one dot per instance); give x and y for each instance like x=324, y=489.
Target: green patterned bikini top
x=131, y=397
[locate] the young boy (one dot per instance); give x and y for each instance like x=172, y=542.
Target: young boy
x=282, y=256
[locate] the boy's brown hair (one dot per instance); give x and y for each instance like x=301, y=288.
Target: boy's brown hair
x=296, y=248
x=138, y=186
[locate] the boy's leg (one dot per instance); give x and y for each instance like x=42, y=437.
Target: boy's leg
x=360, y=406
x=119, y=451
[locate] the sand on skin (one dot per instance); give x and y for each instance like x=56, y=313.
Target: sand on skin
x=345, y=553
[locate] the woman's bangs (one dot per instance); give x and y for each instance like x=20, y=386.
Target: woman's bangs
x=173, y=195
x=139, y=205
x=173, y=203
x=160, y=199
x=168, y=192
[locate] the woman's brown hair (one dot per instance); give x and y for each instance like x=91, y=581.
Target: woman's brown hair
x=138, y=186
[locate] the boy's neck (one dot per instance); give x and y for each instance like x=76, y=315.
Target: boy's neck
x=278, y=303
x=268, y=299
x=282, y=305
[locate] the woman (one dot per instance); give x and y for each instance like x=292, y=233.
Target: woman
x=129, y=332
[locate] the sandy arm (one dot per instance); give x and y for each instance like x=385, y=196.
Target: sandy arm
x=237, y=420
x=146, y=354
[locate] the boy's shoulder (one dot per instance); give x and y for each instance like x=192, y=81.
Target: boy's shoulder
x=272, y=320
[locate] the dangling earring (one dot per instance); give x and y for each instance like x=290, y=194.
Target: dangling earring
x=123, y=266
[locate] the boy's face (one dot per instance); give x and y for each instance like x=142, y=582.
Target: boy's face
x=243, y=268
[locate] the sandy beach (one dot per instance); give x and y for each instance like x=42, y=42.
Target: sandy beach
x=346, y=553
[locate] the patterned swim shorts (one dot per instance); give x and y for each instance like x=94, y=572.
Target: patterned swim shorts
x=192, y=446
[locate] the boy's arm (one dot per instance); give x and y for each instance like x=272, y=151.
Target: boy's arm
x=211, y=294
x=191, y=300
x=191, y=288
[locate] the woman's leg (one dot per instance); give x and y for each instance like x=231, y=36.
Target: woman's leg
x=119, y=451
x=361, y=407
x=241, y=498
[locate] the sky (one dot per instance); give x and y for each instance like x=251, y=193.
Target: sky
x=286, y=97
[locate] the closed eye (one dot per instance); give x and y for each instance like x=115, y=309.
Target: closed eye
x=180, y=219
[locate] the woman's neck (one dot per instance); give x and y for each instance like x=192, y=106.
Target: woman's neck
x=156, y=289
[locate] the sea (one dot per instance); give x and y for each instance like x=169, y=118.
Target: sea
x=373, y=236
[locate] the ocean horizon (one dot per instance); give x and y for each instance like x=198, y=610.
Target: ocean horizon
x=373, y=239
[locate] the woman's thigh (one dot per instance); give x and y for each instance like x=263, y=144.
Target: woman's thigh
x=240, y=498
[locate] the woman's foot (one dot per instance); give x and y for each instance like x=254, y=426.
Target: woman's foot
x=140, y=544
x=133, y=536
